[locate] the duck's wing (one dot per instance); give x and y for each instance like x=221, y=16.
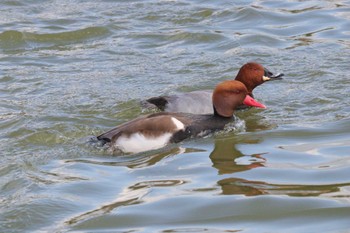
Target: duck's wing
x=153, y=124
x=115, y=132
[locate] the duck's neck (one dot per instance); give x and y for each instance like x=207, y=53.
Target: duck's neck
x=217, y=115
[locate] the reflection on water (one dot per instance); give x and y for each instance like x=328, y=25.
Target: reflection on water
x=225, y=156
x=132, y=195
x=142, y=159
x=232, y=186
x=317, y=163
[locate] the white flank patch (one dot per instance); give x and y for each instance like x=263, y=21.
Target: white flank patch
x=179, y=124
x=137, y=142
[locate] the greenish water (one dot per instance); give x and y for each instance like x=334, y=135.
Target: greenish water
x=70, y=69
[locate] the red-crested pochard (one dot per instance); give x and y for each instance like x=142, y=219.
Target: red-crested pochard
x=199, y=102
x=157, y=130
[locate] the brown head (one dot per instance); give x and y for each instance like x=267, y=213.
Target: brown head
x=230, y=94
x=253, y=74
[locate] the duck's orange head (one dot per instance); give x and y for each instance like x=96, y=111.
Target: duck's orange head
x=253, y=74
x=228, y=95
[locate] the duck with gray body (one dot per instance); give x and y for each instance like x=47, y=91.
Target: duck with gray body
x=199, y=102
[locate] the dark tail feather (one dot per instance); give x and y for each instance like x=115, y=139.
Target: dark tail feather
x=103, y=141
x=160, y=102
x=96, y=141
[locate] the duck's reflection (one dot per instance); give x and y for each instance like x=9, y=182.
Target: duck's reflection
x=227, y=159
x=225, y=156
x=140, y=160
x=238, y=186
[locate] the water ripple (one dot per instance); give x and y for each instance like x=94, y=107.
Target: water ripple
x=16, y=39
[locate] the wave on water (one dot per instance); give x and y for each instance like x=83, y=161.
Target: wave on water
x=13, y=39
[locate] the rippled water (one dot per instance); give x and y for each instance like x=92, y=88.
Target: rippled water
x=70, y=69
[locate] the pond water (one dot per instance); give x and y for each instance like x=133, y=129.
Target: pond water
x=70, y=69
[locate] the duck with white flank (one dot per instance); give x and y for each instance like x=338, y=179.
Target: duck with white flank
x=157, y=130
x=199, y=102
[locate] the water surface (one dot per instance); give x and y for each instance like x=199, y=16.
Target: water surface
x=70, y=69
